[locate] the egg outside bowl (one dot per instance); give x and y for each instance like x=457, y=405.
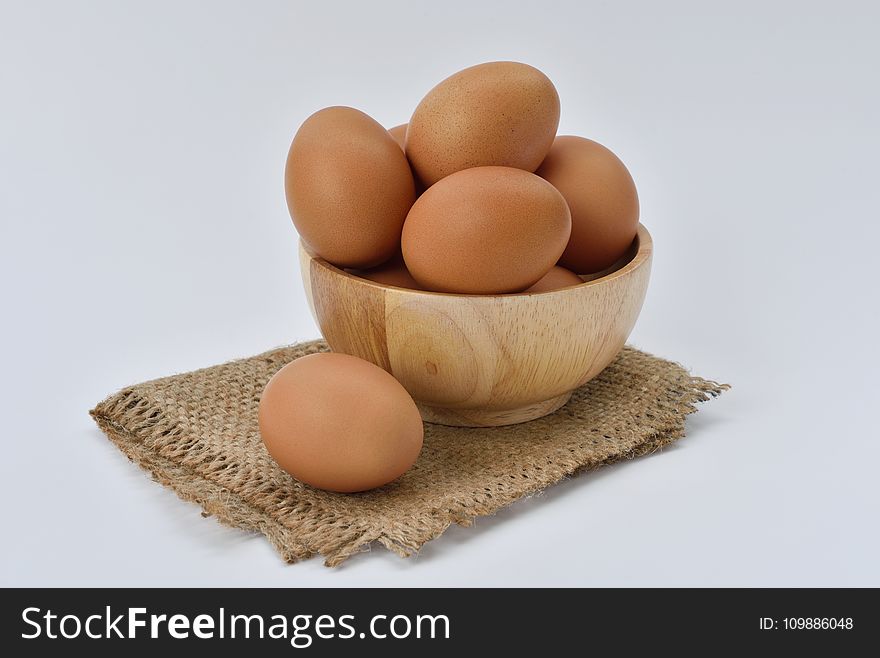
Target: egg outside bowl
x=482, y=360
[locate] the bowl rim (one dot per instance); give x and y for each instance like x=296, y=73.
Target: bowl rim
x=643, y=253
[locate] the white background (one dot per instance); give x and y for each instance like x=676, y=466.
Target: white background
x=144, y=232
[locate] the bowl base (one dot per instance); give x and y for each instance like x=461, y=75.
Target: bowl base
x=491, y=418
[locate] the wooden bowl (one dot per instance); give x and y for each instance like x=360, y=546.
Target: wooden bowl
x=482, y=360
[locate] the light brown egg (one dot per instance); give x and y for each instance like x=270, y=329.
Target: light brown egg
x=555, y=279
x=399, y=134
x=602, y=197
x=348, y=186
x=485, y=230
x=339, y=423
x=498, y=113
x=391, y=273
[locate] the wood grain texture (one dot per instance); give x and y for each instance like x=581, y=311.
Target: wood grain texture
x=355, y=315
x=482, y=360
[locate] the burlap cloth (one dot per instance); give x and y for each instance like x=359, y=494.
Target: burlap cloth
x=197, y=433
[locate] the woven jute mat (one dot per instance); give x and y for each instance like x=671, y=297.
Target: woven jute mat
x=197, y=433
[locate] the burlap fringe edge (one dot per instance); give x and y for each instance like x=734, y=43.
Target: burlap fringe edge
x=299, y=539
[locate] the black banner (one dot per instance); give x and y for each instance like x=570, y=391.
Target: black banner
x=325, y=621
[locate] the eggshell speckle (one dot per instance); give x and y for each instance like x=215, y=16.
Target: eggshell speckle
x=485, y=230
x=603, y=200
x=348, y=186
x=498, y=113
x=556, y=278
x=339, y=423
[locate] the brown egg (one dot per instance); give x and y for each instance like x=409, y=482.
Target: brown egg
x=603, y=200
x=556, y=278
x=348, y=186
x=499, y=113
x=339, y=423
x=485, y=230
x=391, y=273
x=399, y=134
